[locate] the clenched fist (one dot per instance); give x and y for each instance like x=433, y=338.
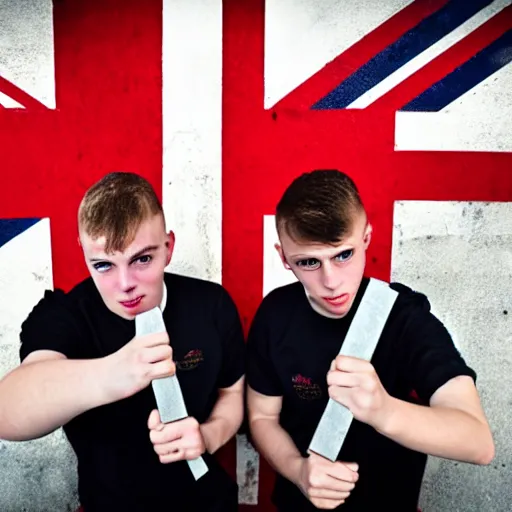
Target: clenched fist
x=179, y=440
x=327, y=484
x=134, y=366
x=355, y=384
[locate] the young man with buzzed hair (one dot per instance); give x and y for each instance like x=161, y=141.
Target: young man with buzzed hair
x=84, y=368
x=294, y=367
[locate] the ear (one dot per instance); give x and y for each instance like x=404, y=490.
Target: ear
x=279, y=250
x=169, y=245
x=367, y=237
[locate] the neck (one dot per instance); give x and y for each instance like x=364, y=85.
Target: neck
x=163, y=302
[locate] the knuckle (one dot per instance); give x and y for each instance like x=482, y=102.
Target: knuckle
x=143, y=341
x=371, y=384
x=312, y=480
x=138, y=356
x=332, y=391
x=192, y=424
x=195, y=453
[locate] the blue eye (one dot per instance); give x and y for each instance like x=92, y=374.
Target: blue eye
x=345, y=255
x=309, y=264
x=144, y=260
x=102, y=266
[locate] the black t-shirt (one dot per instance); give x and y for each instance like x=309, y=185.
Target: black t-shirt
x=117, y=466
x=290, y=349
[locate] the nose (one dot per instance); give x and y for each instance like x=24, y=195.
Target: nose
x=126, y=280
x=329, y=276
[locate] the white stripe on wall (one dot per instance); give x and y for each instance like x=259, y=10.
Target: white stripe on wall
x=8, y=102
x=480, y=120
x=192, y=128
x=302, y=36
x=27, y=49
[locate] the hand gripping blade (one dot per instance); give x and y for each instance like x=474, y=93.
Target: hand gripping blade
x=361, y=340
x=169, y=398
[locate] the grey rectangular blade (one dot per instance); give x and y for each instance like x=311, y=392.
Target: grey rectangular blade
x=169, y=399
x=360, y=341
x=167, y=390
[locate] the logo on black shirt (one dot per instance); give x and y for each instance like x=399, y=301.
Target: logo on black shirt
x=191, y=360
x=306, y=388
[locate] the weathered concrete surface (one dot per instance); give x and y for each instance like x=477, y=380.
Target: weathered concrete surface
x=39, y=475
x=460, y=255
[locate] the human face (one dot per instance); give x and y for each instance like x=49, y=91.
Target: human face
x=331, y=275
x=131, y=282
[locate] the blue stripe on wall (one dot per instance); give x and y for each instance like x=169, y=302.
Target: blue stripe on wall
x=492, y=58
x=10, y=228
x=411, y=44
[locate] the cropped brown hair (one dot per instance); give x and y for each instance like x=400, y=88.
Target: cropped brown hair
x=319, y=206
x=115, y=206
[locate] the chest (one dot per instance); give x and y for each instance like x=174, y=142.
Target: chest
x=197, y=352
x=303, y=357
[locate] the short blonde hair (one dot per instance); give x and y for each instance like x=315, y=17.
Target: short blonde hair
x=319, y=206
x=115, y=206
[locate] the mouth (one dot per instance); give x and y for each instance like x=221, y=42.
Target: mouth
x=130, y=304
x=340, y=300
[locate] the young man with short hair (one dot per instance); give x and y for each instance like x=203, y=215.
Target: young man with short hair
x=84, y=368
x=294, y=367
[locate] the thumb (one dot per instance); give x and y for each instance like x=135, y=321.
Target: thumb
x=353, y=466
x=154, y=422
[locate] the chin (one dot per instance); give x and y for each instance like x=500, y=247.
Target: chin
x=338, y=311
x=125, y=315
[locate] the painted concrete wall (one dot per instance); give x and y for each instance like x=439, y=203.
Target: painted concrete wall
x=220, y=105
x=379, y=91
x=40, y=474
x=460, y=255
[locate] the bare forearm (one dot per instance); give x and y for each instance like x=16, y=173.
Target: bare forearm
x=439, y=431
x=277, y=447
x=224, y=421
x=37, y=398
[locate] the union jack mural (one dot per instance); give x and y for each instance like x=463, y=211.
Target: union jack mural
x=220, y=104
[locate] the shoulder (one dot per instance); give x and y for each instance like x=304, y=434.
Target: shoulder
x=280, y=303
x=184, y=292
x=412, y=316
x=283, y=296
x=56, y=322
x=57, y=302
x=410, y=300
x=186, y=286
x=411, y=311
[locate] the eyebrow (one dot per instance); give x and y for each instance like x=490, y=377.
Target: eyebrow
x=149, y=248
x=346, y=248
